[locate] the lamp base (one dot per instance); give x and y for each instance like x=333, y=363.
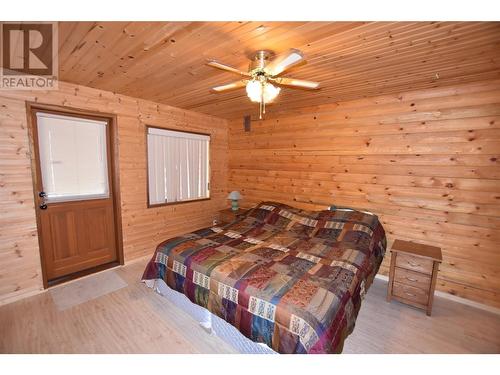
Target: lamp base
x=234, y=205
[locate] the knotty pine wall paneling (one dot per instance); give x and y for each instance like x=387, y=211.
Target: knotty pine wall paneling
x=143, y=228
x=427, y=162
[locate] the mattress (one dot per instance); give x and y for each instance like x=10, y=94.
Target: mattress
x=291, y=279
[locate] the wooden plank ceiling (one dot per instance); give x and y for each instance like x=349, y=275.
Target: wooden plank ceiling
x=165, y=61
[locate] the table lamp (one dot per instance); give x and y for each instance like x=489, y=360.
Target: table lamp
x=234, y=196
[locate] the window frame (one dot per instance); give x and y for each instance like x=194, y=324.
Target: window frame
x=156, y=205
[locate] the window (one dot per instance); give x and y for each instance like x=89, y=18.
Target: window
x=73, y=158
x=178, y=168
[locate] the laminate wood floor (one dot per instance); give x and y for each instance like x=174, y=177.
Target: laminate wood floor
x=134, y=319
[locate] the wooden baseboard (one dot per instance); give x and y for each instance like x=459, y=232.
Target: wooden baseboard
x=451, y=297
x=138, y=259
x=20, y=296
x=31, y=293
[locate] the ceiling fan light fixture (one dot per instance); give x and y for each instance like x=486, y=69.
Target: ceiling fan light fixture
x=254, y=91
x=270, y=92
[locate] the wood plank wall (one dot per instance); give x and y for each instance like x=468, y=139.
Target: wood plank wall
x=425, y=161
x=143, y=228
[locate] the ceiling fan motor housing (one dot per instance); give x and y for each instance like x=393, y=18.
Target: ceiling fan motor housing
x=260, y=60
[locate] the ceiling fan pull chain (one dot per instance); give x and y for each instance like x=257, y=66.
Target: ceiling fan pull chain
x=264, y=83
x=262, y=105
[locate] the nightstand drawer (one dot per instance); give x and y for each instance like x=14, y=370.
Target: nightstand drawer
x=411, y=278
x=410, y=293
x=414, y=263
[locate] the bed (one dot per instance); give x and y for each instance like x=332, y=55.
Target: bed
x=291, y=279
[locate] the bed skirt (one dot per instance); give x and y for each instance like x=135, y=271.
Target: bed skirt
x=210, y=322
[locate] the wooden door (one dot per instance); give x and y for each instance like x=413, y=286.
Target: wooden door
x=74, y=191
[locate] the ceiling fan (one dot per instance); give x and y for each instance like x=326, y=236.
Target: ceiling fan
x=261, y=75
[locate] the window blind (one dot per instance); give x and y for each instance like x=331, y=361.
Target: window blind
x=178, y=166
x=73, y=158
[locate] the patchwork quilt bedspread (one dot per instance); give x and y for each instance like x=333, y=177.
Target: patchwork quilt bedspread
x=289, y=278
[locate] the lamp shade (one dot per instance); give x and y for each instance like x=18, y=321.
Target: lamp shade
x=254, y=90
x=234, y=195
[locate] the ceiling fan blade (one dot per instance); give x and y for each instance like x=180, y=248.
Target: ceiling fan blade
x=225, y=67
x=284, y=61
x=300, y=83
x=229, y=86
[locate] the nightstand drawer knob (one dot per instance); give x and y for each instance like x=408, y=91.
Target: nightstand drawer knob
x=410, y=294
x=414, y=264
x=411, y=279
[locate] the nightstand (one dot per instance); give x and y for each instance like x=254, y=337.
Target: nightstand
x=413, y=273
x=228, y=215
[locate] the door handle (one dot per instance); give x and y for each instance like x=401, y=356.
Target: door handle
x=42, y=194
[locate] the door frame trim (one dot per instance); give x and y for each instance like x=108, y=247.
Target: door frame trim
x=31, y=109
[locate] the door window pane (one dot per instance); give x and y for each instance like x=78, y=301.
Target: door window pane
x=73, y=157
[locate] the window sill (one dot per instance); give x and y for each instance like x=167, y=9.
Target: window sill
x=179, y=202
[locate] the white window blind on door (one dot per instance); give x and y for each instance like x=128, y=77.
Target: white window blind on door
x=178, y=166
x=73, y=158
